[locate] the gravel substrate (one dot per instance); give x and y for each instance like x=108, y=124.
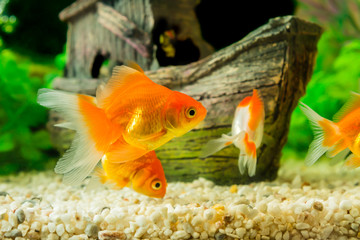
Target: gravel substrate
x=319, y=202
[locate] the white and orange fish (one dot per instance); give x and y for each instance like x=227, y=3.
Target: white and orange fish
x=246, y=133
x=337, y=138
x=129, y=117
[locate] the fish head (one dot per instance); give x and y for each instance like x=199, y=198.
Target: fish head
x=150, y=180
x=182, y=113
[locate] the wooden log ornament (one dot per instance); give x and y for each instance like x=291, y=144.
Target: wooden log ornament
x=277, y=59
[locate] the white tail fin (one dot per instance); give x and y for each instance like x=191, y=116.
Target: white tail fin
x=247, y=157
x=326, y=135
x=78, y=161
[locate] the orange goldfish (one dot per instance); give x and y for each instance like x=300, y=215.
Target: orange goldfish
x=337, y=138
x=130, y=116
x=246, y=133
x=144, y=175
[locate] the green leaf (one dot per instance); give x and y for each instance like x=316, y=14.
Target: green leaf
x=6, y=142
x=41, y=139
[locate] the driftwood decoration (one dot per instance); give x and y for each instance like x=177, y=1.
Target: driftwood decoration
x=277, y=59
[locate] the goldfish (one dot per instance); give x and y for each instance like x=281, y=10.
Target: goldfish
x=129, y=117
x=144, y=175
x=246, y=133
x=336, y=138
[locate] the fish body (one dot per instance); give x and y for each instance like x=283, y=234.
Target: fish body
x=246, y=133
x=336, y=138
x=129, y=117
x=144, y=175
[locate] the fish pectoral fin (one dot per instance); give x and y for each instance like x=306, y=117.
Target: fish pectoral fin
x=67, y=125
x=352, y=161
x=216, y=145
x=153, y=136
x=121, y=151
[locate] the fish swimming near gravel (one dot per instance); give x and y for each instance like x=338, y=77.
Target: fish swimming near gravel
x=129, y=117
x=144, y=175
x=246, y=133
x=336, y=138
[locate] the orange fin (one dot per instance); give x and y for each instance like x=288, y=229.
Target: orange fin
x=121, y=152
x=327, y=134
x=352, y=104
x=134, y=65
x=353, y=161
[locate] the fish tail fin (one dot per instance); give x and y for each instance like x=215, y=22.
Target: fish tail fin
x=247, y=156
x=327, y=136
x=92, y=132
x=216, y=145
x=353, y=161
x=98, y=178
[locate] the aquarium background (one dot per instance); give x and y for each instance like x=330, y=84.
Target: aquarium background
x=33, y=53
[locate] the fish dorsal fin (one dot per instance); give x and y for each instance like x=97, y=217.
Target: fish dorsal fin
x=134, y=65
x=352, y=104
x=122, y=78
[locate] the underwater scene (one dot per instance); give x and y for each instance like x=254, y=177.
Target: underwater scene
x=187, y=119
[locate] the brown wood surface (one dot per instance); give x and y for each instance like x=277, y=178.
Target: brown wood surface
x=277, y=59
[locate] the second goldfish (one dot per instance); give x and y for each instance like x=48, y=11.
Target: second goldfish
x=144, y=175
x=246, y=133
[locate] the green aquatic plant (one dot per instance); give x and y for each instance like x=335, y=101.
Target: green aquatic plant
x=24, y=141
x=336, y=72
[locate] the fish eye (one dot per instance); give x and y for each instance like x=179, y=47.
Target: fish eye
x=156, y=185
x=191, y=112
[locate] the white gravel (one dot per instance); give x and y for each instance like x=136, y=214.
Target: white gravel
x=319, y=202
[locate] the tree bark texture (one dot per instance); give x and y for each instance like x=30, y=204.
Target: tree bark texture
x=277, y=59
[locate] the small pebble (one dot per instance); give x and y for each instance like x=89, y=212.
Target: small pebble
x=140, y=232
x=318, y=206
x=345, y=205
x=51, y=227
x=197, y=220
x=111, y=235
x=60, y=229
x=24, y=228
x=13, y=233
x=233, y=189
x=13, y=219
x=302, y=226
x=83, y=237
x=20, y=215
x=209, y=214
x=167, y=232
x=32, y=235
x=180, y=235
x=91, y=230
x=36, y=226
